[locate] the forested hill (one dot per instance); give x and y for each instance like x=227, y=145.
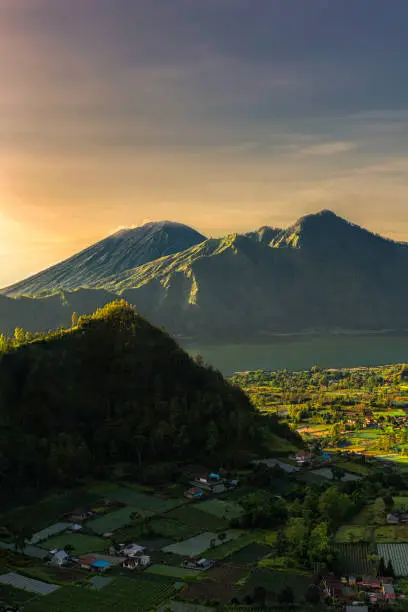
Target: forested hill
x=114, y=389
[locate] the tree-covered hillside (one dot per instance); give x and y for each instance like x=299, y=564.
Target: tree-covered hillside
x=114, y=389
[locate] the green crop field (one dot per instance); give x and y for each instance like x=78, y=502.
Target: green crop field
x=172, y=570
x=400, y=502
x=392, y=533
x=190, y=515
x=166, y=527
x=352, y=533
x=220, y=508
x=124, y=594
x=152, y=503
x=112, y=521
x=81, y=543
x=198, y=544
x=352, y=559
x=227, y=549
x=397, y=554
x=275, y=581
x=252, y=553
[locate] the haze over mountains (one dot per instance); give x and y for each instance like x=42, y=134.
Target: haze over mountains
x=322, y=273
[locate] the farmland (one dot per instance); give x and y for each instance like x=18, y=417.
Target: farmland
x=398, y=554
x=80, y=543
x=221, y=584
x=275, y=581
x=353, y=559
x=120, y=594
x=352, y=411
x=352, y=533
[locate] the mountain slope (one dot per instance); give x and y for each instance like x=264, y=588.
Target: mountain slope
x=114, y=389
x=323, y=274
x=125, y=249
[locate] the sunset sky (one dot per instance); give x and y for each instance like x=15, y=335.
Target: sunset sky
x=223, y=114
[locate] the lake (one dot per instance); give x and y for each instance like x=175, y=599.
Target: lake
x=303, y=352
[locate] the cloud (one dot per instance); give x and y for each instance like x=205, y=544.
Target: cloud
x=328, y=148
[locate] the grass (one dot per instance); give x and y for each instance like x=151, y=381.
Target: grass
x=352, y=533
x=81, y=543
x=391, y=533
x=124, y=594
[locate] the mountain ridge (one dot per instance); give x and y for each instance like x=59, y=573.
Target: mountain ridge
x=321, y=273
x=119, y=251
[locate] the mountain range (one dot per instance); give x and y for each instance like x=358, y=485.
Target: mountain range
x=323, y=273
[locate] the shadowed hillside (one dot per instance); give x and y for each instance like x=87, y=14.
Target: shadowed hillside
x=321, y=274
x=114, y=389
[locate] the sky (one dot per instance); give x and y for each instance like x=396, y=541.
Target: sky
x=223, y=114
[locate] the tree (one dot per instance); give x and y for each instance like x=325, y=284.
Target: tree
x=19, y=335
x=388, y=500
x=381, y=568
x=337, y=472
x=379, y=511
x=74, y=319
x=69, y=549
x=390, y=570
x=319, y=542
x=296, y=534
x=260, y=595
x=285, y=595
x=21, y=537
x=312, y=595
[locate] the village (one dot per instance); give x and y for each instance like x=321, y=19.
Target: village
x=189, y=543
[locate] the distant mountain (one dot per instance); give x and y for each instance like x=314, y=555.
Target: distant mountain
x=322, y=273
x=125, y=249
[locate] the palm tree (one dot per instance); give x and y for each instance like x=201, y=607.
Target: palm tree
x=21, y=537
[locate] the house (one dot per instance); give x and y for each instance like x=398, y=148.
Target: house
x=133, y=563
x=303, y=457
x=332, y=586
x=131, y=550
x=388, y=591
x=371, y=582
x=86, y=561
x=59, y=558
x=78, y=516
x=100, y=565
x=212, y=483
x=392, y=519
x=195, y=493
x=203, y=564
